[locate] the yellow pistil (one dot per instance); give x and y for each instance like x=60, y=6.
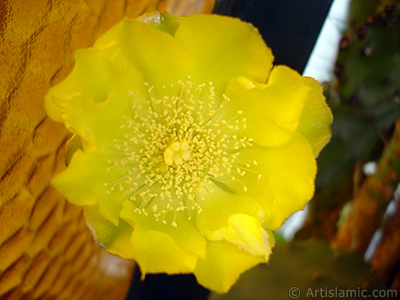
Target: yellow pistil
x=176, y=153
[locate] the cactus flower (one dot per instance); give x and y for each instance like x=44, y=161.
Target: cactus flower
x=195, y=147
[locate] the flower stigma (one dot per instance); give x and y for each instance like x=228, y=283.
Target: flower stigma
x=176, y=153
x=172, y=146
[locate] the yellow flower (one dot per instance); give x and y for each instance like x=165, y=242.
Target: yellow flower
x=195, y=148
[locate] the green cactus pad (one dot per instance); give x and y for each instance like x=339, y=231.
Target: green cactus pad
x=368, y=68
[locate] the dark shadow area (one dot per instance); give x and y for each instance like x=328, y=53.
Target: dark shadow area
x=164, y=287
x=290, y=27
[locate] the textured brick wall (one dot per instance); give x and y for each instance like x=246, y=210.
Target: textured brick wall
x=46, y=251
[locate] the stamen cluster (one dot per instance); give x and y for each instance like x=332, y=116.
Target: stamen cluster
x=172, y=146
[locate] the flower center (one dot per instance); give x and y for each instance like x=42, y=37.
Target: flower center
x=171, y=147
x=176, y=153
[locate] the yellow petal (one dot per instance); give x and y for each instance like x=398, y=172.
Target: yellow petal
x=75, y=111
x=70, y=181
x=283, y=180
x=160, y=58
x=223, y=264
x=115, y=239
x=244, y=231
x=114, y=61
x=94, y=75
x=110, y=123
x=157, y=252
x=183, y=232
x=316, y=117
x=219, y=205
x=272, y=111
x=86, y=182
x=103, y=123
x=223, y=48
